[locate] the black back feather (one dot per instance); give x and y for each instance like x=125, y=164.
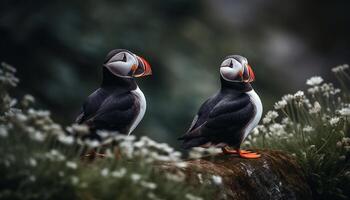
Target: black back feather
x=222, y=118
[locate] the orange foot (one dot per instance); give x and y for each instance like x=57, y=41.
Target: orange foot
x=225, y=150
x=248, y=155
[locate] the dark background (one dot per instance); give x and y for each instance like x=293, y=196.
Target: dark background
x=58, y=47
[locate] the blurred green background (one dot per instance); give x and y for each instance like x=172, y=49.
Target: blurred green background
x=58, y=48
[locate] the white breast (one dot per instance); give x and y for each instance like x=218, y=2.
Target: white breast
x=141, y=97
x=255, y=99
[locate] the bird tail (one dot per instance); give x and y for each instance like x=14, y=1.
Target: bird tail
x=193, y=142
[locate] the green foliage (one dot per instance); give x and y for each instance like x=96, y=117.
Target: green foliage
x=41, y=160
x=315, y=129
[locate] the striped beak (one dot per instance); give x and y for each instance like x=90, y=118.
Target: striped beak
x=143, y=68
x=248, y=74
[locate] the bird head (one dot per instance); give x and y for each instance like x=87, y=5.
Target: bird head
x=235, y=68
x=124, y=63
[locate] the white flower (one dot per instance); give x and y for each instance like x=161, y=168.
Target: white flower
x=345, y=112
x=32, y=178
x=196, y=153
x=181, y=164
x=300, y=98
x=104, y=172
x=312, y=146
x=335, y=91
x=345, y=140
x=280, y=104
x=74, y=180
x=71, y=164
x=103, y=134
x=55, y=155
x=266, y=120
x=313, y=90
x=277, y=129
x=192, y=197
x=270, y=116
x=255, y=131
x=339, y=144
x=340, y=68
x=299, y=94
x=43, y=113
x=148, y=185
x=92, y=143
x=130, y=138
x=21, y=117
x=151, y=195
x=81, y=129
x=308, y=128
x=3, y=132
x=316, y=108
x=217, y=179
x=334, y=121
x=37, y=136
x=135, y=177
x=286, y=121
x=32, y=162
x=213, y=150
x=29, y=98
x=119, y=173
x=66, y=139
x=315, y=80
x=288, y=97
x=247, y=142
x=61, y=173
x=119, y=137
x=200, y=177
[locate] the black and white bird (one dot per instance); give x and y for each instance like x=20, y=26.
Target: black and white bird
x=119, y=104
x=226, y=118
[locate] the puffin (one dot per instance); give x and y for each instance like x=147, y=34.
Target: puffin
x=118, y=105
x=225, y=119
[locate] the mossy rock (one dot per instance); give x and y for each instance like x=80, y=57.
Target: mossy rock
x=274, y=176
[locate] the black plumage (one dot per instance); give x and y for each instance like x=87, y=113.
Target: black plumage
x=222, y=118
x=112, y=107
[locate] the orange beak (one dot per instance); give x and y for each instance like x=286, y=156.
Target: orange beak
x=251, y=75
x=146, y=66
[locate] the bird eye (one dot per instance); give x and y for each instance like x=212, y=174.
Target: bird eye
x=231, y=64
x=119, y=57
x=124, y=58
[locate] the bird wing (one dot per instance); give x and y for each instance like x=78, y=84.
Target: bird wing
x=200, y=117
x=117, y=112
x=91, y=105
x=231, y=113
x=226, y=117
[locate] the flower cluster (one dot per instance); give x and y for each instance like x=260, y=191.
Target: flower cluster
x=315, y=80
x=313, y=127
x=39, y=152
x=340, y=68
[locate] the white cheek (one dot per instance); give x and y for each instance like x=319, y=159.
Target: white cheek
x=119, y=68
x=229, y=74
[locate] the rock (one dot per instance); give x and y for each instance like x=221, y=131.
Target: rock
x=274, y=176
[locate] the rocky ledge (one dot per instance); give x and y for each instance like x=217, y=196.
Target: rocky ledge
x=274, y=176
